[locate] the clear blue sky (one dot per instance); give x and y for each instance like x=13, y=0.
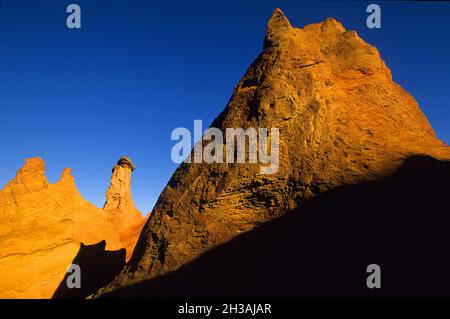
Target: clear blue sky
x=138, y=69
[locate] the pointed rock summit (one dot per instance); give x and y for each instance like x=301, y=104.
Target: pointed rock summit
x=42, y=226
x=342, y=121
x=278, y=27
x=29, y=178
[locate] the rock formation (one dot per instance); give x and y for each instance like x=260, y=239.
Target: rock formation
x=119, y=206
x=42, y=226
x=118, y=195
x=342, y=121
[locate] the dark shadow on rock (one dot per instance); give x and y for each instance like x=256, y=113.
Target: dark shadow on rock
x=323, y=248
x=98, y=268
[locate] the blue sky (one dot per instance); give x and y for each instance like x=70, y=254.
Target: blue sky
x=138, y=69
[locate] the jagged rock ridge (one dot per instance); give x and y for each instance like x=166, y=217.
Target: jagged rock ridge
x=342, y=120
x=42, y=226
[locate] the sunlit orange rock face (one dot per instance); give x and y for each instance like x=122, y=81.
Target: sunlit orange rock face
x=342, y=120
x=119, y=206
x=42, y=226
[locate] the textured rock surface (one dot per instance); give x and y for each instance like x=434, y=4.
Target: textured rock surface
x=41, y=228
x=342, y=120
x=122, y=214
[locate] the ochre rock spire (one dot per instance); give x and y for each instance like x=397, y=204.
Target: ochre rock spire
x=118, y=195
x=119, y=206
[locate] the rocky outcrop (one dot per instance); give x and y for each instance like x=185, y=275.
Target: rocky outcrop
x=118, y=195
x=119, y=206
x=42, y=226
x=342, y=121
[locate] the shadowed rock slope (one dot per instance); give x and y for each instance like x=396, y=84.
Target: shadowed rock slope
x=342, y=121
x=98, y=267
x=323, y=248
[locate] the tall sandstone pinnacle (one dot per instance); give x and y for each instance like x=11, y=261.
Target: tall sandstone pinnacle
x=342, y=120
x=42, y=226
x=118, y=195
x=121, y=212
